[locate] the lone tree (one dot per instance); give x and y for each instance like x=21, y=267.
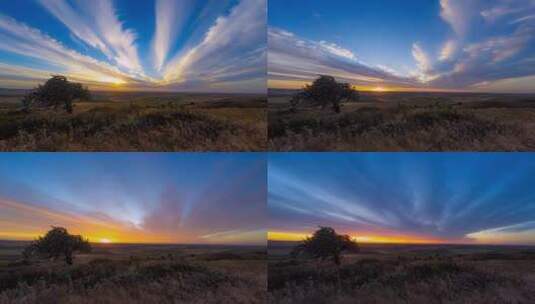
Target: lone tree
x=324, y=91
x=55, y=92
x=57, y=243
x=326, y=243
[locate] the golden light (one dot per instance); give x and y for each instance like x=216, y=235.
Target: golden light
x=286, y=236
x=360, y=238
x=105, y=241
x=379, y=89
x=379, y=239
x=112, y=80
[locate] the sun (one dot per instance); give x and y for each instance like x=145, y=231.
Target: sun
x=379, y=89
x=105, y=241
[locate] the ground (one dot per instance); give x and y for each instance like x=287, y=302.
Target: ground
x=384, y=121
x=406, y=274
x=115, y=273
x=138, y=122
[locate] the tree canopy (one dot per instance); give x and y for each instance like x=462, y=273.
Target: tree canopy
x=324, y=91
x=56, y=92
x=56, y=243
x=326, y=243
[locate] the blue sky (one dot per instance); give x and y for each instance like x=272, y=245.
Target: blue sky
x=479, y=45
x=189, y=45
x=444, y=197
x=167, y=197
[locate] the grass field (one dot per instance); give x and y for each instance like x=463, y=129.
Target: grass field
x=406, y=122
x=406, y=274
x=138, y=122
x=115, y=273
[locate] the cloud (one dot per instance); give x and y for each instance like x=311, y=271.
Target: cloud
x=23, y=40
x=233, y=50
x=492, y=41
x=136, y=197
x=230, y=57
x=99, y=28
x=293, y=58
x=171, y=17
x=404, y=195
x=522, y=233
x=27, y=221
x=448, y=50
x=338, y=50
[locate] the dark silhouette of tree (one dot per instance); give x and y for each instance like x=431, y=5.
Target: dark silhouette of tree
x=57, y=243
x=326, y=243
x=324, y=91
x=57, y=91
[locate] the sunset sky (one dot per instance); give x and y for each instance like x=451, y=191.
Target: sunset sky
x=165, y=45
x=446, y=45
x=470, y=198
x=202, y=198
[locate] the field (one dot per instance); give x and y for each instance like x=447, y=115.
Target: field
x=137, y=122
x=115, y=273
x=406, y=274
x=406, y=122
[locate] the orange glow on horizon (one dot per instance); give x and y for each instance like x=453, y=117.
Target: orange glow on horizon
x=299, y=84
x=360, y=238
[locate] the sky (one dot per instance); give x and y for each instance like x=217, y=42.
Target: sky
x=462, y=198
x=160, y=45
x=200, y=198
x=412, y=45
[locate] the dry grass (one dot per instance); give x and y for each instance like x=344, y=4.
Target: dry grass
x=143, y=124
x=406, y=277
x=146, y=275
x=416, y=123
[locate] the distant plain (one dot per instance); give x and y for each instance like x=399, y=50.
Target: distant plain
x=137, y=121
x=137, y=273
x=399, y=273
x=404, y=121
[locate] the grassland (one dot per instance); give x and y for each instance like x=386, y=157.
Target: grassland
x=406, y=122
x=392, y=274
x=138, y=122
x=115, y=273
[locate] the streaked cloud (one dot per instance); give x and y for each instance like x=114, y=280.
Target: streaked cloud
x=464, y=46
x=20, y=39
x=492, y=41
x=295, y=58
x=444, y=198
x=221, y=47
x=232, y=51
x=171, y=16
x=100, y=28
x=205, y=198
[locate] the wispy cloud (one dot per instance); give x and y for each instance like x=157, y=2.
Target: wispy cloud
x=23, y=40
x=294, y=58
x=171, y=16
x=405, y=195
x=491, y=41
x=230, y=57
x=99, y=28
x=232, y=50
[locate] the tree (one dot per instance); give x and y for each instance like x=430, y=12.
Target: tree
x=326, y=243
x=324, y=91
x=56, y=243
x=55, y=92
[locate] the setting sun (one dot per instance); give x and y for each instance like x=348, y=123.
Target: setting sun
x=105, y=241
x=379, y=89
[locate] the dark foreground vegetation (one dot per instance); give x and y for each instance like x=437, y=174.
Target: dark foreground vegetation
x=135, y=122
x=392, y=274
x=114, y=273
x=405, y=122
